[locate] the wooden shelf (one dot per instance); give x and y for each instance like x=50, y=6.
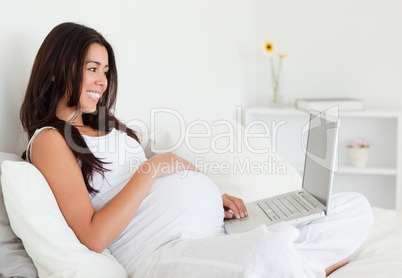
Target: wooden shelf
x=385, y=171
x=292, y=111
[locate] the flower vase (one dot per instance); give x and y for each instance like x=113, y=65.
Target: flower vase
x=276, y=99
x=359, y=156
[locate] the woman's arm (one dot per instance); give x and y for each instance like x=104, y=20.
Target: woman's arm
x=52, y=156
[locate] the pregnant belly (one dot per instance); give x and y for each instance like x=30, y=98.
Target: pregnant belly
x=186, y=203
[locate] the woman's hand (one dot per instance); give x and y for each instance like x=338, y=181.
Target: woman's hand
x=234, y=204
x=165, y=164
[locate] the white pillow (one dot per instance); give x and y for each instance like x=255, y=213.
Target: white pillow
x=14, y=260
x=36, y=218
x=240, y=166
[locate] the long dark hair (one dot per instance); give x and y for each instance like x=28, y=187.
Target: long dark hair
x=57, y=71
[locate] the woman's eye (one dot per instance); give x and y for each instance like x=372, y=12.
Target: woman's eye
x=105, y=73
x=92, y=69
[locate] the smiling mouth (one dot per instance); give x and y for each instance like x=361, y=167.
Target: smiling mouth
x=93, y=95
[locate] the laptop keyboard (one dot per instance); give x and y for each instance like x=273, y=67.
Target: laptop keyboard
x=284, y=206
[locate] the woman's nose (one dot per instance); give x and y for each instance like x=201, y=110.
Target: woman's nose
x=102, y=79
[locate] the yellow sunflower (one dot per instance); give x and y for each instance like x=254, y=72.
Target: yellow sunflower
x=268, y=47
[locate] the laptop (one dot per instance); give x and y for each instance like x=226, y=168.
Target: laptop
x=313, y=200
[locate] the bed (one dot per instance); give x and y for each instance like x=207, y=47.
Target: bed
x=35, y=240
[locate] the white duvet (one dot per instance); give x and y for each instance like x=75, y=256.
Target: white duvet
x=380, y=255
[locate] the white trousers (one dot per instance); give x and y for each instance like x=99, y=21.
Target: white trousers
x=282, y=250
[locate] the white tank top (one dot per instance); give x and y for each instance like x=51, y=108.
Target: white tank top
x=186, y=203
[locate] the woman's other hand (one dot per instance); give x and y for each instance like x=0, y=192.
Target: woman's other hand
x=234, y=207
x=165, y=164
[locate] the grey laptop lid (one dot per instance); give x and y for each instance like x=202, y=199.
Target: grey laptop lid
x=321, y=153
x=312, y=201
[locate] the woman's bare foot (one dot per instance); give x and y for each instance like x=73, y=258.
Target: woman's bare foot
x=335, y=266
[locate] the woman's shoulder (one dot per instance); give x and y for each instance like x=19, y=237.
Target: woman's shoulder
x=47, y=141
x=48, y=135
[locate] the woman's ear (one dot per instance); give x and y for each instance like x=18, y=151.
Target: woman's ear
x=53, y=78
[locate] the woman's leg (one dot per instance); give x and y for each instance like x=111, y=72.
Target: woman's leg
x=262, y=252
x=277, y=251
x=333, y=238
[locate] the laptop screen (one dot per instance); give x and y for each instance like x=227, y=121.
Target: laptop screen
x=321, y=150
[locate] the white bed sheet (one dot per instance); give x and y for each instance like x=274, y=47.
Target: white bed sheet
x=380, y=255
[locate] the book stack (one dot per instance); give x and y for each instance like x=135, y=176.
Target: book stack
x=322, y=104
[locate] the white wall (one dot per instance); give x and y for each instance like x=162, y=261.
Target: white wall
x=337, y=49
x=190, y=56
x=203, y=58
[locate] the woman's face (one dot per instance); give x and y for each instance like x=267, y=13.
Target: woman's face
x=94, y=79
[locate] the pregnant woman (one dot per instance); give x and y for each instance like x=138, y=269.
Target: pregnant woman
x=164, y=210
